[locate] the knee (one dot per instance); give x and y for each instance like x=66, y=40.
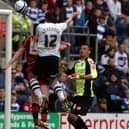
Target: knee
x=72, y=118
x=31, y=75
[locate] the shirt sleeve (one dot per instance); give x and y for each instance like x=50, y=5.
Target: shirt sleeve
x=92, y=68
x=61, y=26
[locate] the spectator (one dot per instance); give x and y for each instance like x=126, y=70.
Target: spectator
x=121, y=60
x=105, y=44
x=101, y=27
x=89, y=9
x=110, y=68
x=125, y=102
x=27, y=106
x=125, y=7
x=2, y=99
x=92, y=24
x=19, y=72
x=108, y=19
x=100, y=4
x=101, y=107
x=70, y=8
x=114, y=8
x=52, y=4
x=115, y=41
x=44, y=8
x=115, y=92
x=15, y=107
x=80, y=22
x=34, y=13
x=21, y=87
x=105, y=57
x=60, y=14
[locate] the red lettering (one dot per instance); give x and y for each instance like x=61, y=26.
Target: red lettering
x=127, y=126
x=95, y=121
x=116, y=121
x=103, y=121
x=61, y=120
x=88, y=123
x=111, y=121
x=121, y=125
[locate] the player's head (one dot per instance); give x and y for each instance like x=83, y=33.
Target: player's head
x=50, y=17
x=84, y=51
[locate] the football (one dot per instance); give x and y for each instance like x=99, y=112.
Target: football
x=20, y=6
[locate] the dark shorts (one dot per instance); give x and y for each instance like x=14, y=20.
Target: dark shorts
x=81, y=104
x=46, y=67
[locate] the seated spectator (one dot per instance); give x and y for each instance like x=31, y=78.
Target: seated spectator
x=110, y=69
x=115, y=93
x=125, y=102
x=19, y=68
x=121, y=60
x=100, y=4
x=105, y=44
x=105, y=57
x=27, y=106
x=108, y=19
x=21, y=87
x=2, y=99
x=15, y=107
x=101, y=107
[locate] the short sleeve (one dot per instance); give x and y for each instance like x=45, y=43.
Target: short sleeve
x=61, y=26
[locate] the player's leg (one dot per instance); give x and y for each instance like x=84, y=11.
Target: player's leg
x=34, y=83
x=80, y=106
x=44, y=112
x=76, y=121
x=35, y=110
x=57, y=86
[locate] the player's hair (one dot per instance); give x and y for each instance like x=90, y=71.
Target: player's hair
x=50, y=17
x=85, y=44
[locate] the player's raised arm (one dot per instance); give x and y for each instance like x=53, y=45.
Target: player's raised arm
x=14, y=58
x=71, y=18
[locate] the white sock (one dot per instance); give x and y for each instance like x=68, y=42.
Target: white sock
x=38, y=93
x=59, y=91
x=36, y=87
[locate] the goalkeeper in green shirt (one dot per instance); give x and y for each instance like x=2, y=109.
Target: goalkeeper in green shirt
x=84, y=72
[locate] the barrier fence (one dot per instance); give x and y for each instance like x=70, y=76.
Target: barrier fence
x=24, y=120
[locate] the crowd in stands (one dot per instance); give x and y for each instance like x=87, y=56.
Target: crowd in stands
x=109, y=21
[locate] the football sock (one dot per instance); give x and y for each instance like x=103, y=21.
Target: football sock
x=36, y=87
x=44, y=112
x=35, y=111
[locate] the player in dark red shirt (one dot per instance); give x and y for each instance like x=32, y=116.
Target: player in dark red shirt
x=29, y=47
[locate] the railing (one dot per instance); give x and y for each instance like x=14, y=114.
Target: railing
x=86, y=34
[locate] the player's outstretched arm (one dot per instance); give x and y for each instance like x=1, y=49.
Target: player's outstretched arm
x=75, y=14
x=14, y=58
x=64, y=45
